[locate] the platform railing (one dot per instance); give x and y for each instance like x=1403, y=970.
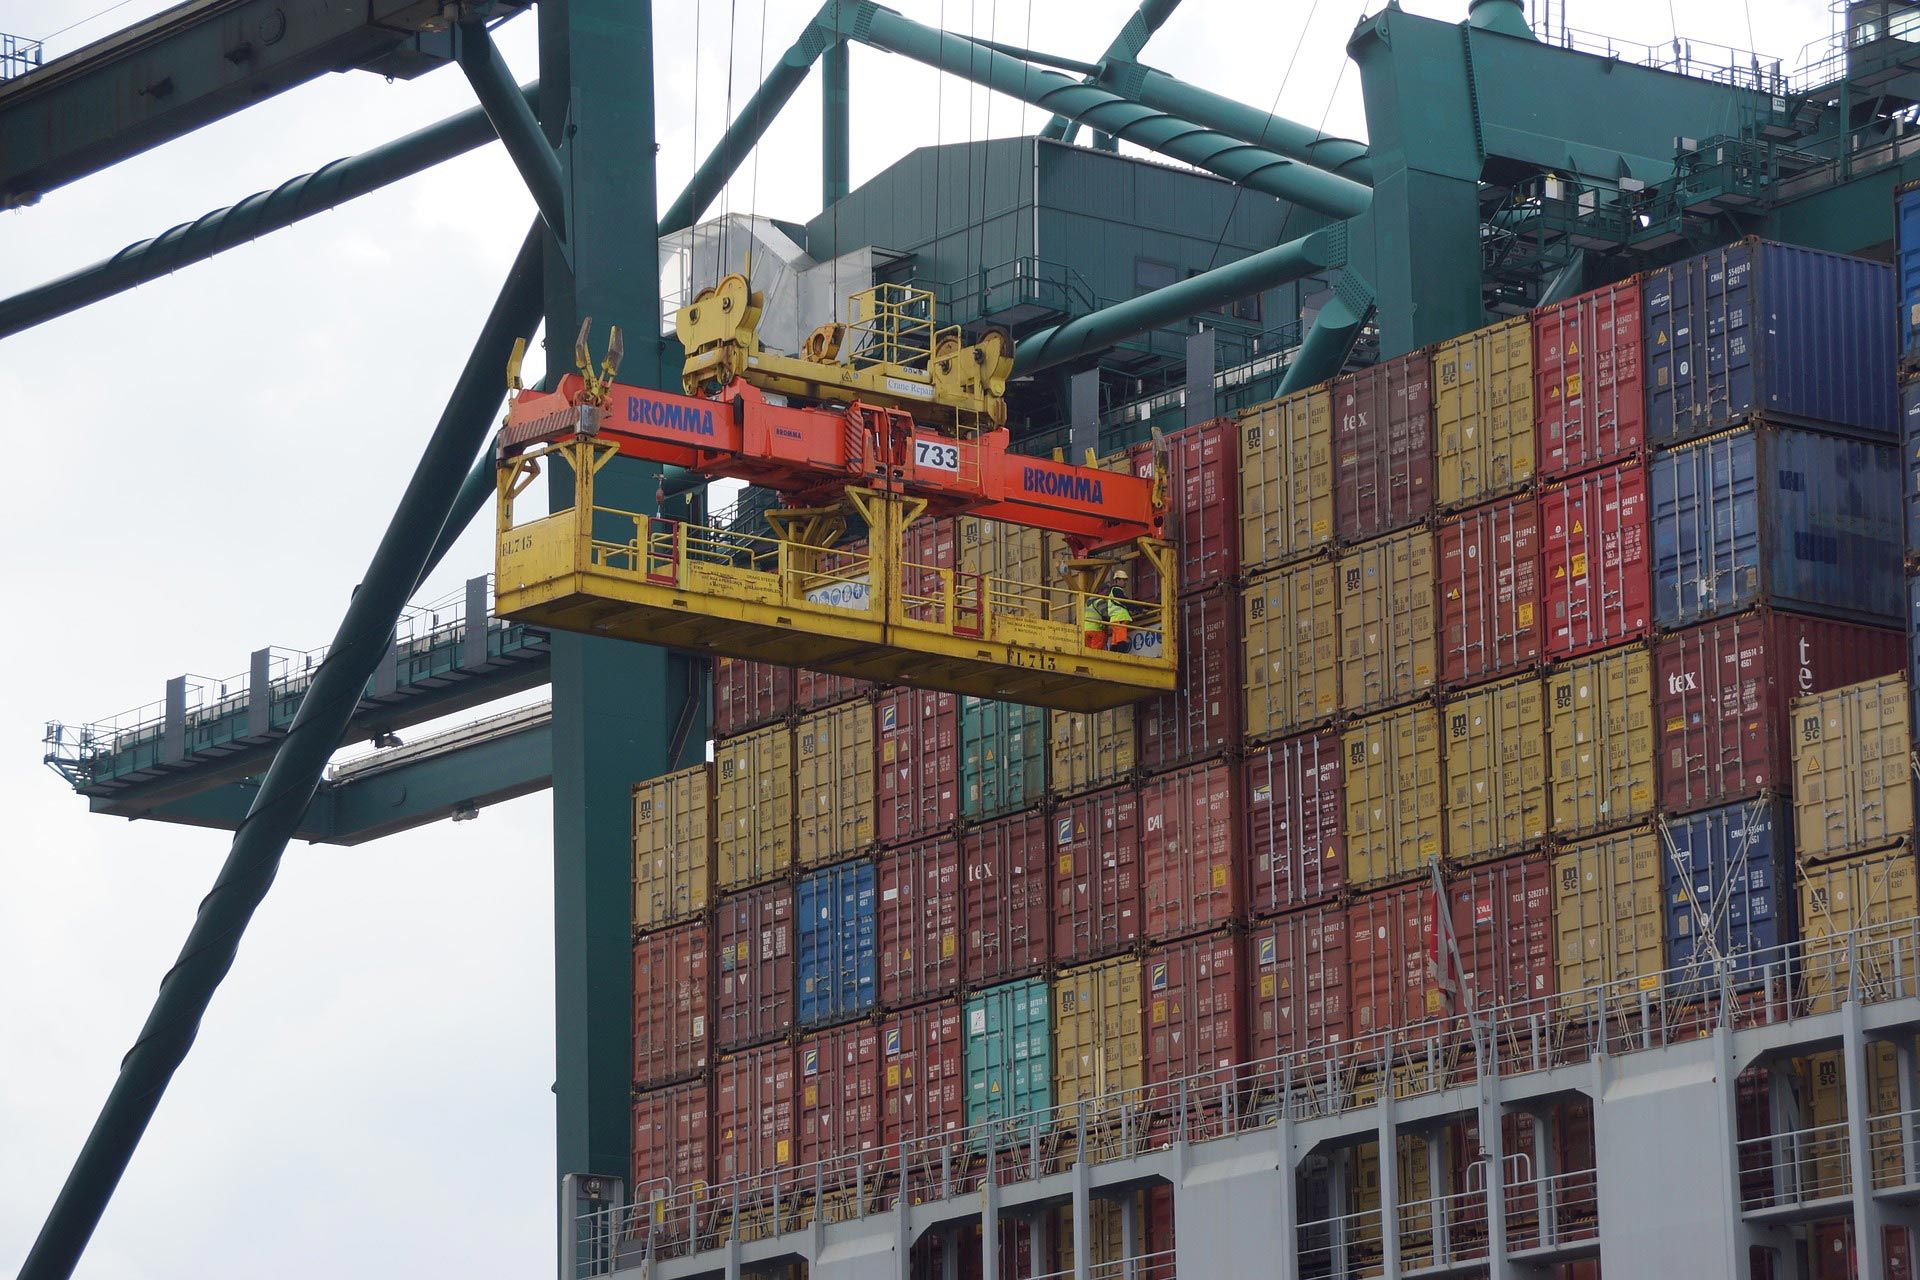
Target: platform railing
x=1795, y=1166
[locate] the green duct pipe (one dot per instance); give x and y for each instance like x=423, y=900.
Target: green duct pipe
x=1262, y=170
x=836, y=124
x=1133, y=37
x=1323, y=353
x=513, y=120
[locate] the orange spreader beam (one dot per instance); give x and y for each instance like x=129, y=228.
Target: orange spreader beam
x=810, y=456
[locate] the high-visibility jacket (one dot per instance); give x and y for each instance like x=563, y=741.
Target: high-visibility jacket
x=1102, y=611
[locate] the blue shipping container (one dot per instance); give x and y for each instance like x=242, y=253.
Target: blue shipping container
x=1729, y=888
x=1906, y=228
x=1796, y=335
x=1771, y=515
x=837, y=943
x=1910, y=463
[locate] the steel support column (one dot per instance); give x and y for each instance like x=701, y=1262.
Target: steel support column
x=1870, y=1246
x=1491, y=1116
x=836, y=124
x=1387, y=1136
x=514, y=121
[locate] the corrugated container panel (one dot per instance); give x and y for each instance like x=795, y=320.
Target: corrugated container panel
x=672, y=847
x=1096, y=1030
x=1203, y=500
x=1588, y=379
x=1007, y=909
x=754, y=1128
x=754, y=966
x=833, y=765
x=1394, y=787
x=1762, y=328
x=672, y=1140
x=1608, y=915
x=1388, y=633
x=1488, y=562
x=1503, y=923
x=918, y=903
x=837, y=1074
x=1291, y=621
x=1853, y=786
x=837, y=943
x=1836, y=898
x=1110, y=1255
x=1416, y=1194
x=916, y=780
x=1721, y=695
x=1775, y=516
x=748, y=694
x=672, y=1004
x=815, y=690
x=1298, y=982
x=1906, y=226
x=1600, y=730
x=1824, y=1155
x=1286, y=479
x=753, y=807
x=1483, y=414
x=1383, y=447
x=923, y=1073
x=1913, y=650
x=1200, y=718
x=1089, y=749
x=1096, y=874
x=1594, y=561
x=1834, y=1257
x=1729, y=888
x=1389, y=935
x=996, y=549
x=1496, y=761
x=1009, y=1052
x=1910, y=463
x=1189, y=851
x=1196, y=1006
x=1296, y=845
x=1003, y=757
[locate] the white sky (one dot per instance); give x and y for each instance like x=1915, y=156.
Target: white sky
x=208, y=462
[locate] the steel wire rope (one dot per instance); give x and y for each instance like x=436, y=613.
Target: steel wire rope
x=84, y=21
x=726, y=116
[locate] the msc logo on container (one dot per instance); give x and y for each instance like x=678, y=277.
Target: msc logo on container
x=687, y=419
x=1054, y=485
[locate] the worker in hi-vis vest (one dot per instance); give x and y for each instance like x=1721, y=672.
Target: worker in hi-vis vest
x=1106, y=616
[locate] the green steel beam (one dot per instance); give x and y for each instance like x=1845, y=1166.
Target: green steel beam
x=513, y=119
x=1132, y=38
x=1157, y=89
x=836, y=124
x=1323, y=352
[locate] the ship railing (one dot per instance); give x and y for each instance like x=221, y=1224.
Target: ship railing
x=1893, y=1138
x=1795, y=1166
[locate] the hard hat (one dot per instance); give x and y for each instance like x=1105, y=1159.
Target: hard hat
x=1119, y=575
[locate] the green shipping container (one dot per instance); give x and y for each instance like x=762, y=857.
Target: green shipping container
x=1003, y=757
x=1009, y=1052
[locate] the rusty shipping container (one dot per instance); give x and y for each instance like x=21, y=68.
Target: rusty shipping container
x=1383, y=447
x=1201, y=717
x=1387, y=629
x=753, y=807
x=753, y=991
x=672, y=1004
x=1298, y=982
x=1608, y=918
x=1286, y=479
x=1096, y=874
x=1600, y=733
x=818, y=690
x=833, y=765
x=1483, y=414
x=1873, y=893
x=1097, y=1023
x=917, y=775
x=672, y=1141
x=1295, y=835
x=1593, y=560
x=672, y=847
x=1487, y=563
x=923, y=1073
x=1496, y=770
x=1203, y=501
x=1189, y=852
x=1196, y=1008
x=1291, y=629
x=837, y=1076
x=1087, y=750
x=1395, y=786
x=917, y=905
x=753, y=1114
x=1589, y=379
x=1852, y=780
x=748, y=695
x=1722, y=692
x=1007, y=908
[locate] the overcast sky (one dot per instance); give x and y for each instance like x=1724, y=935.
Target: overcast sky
x=206, y=464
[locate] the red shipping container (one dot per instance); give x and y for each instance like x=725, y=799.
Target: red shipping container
x=753, y=1118
x=1388, y=939
x=1593, y=537
x=672, y=1140
x=917, y=918
x=1503, y=923
x=1203, y=504
x=1008, y=920
x=1298, y=983
x=1489, y=583
x=1016, y=1257
x=1189, y=852
x=1096, y=880
x=923, y=1074
x=1587, y=379
x=837, y=1074
x=1296, y=846
x=753, y=994
x=1383, y=447
x=813, y=690
x=916, y=788
x=1721, y=692
x=672, y=1004
x=1201, y=717
x=927, y=548
x=1834, y=1257
x=1195, y=1007
x=748, y=694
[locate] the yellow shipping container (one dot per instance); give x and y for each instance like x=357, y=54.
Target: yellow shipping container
x=753, y=807
x=1483, y=413
x=1286, y=479
x=1393, y=786
x=1852, y=783
x=1096, y=1031
x=1089, y=749
x=833, y=782
x=1600, y=724
x=1496, y=770
x=1415, y=1194
x=995, y=549
x=1388, y=636
x=672, y=847
x=1873, y=892
x=1607, y=921
x=1824, y=1159
x=1291, y=622
x=1105, y=1230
